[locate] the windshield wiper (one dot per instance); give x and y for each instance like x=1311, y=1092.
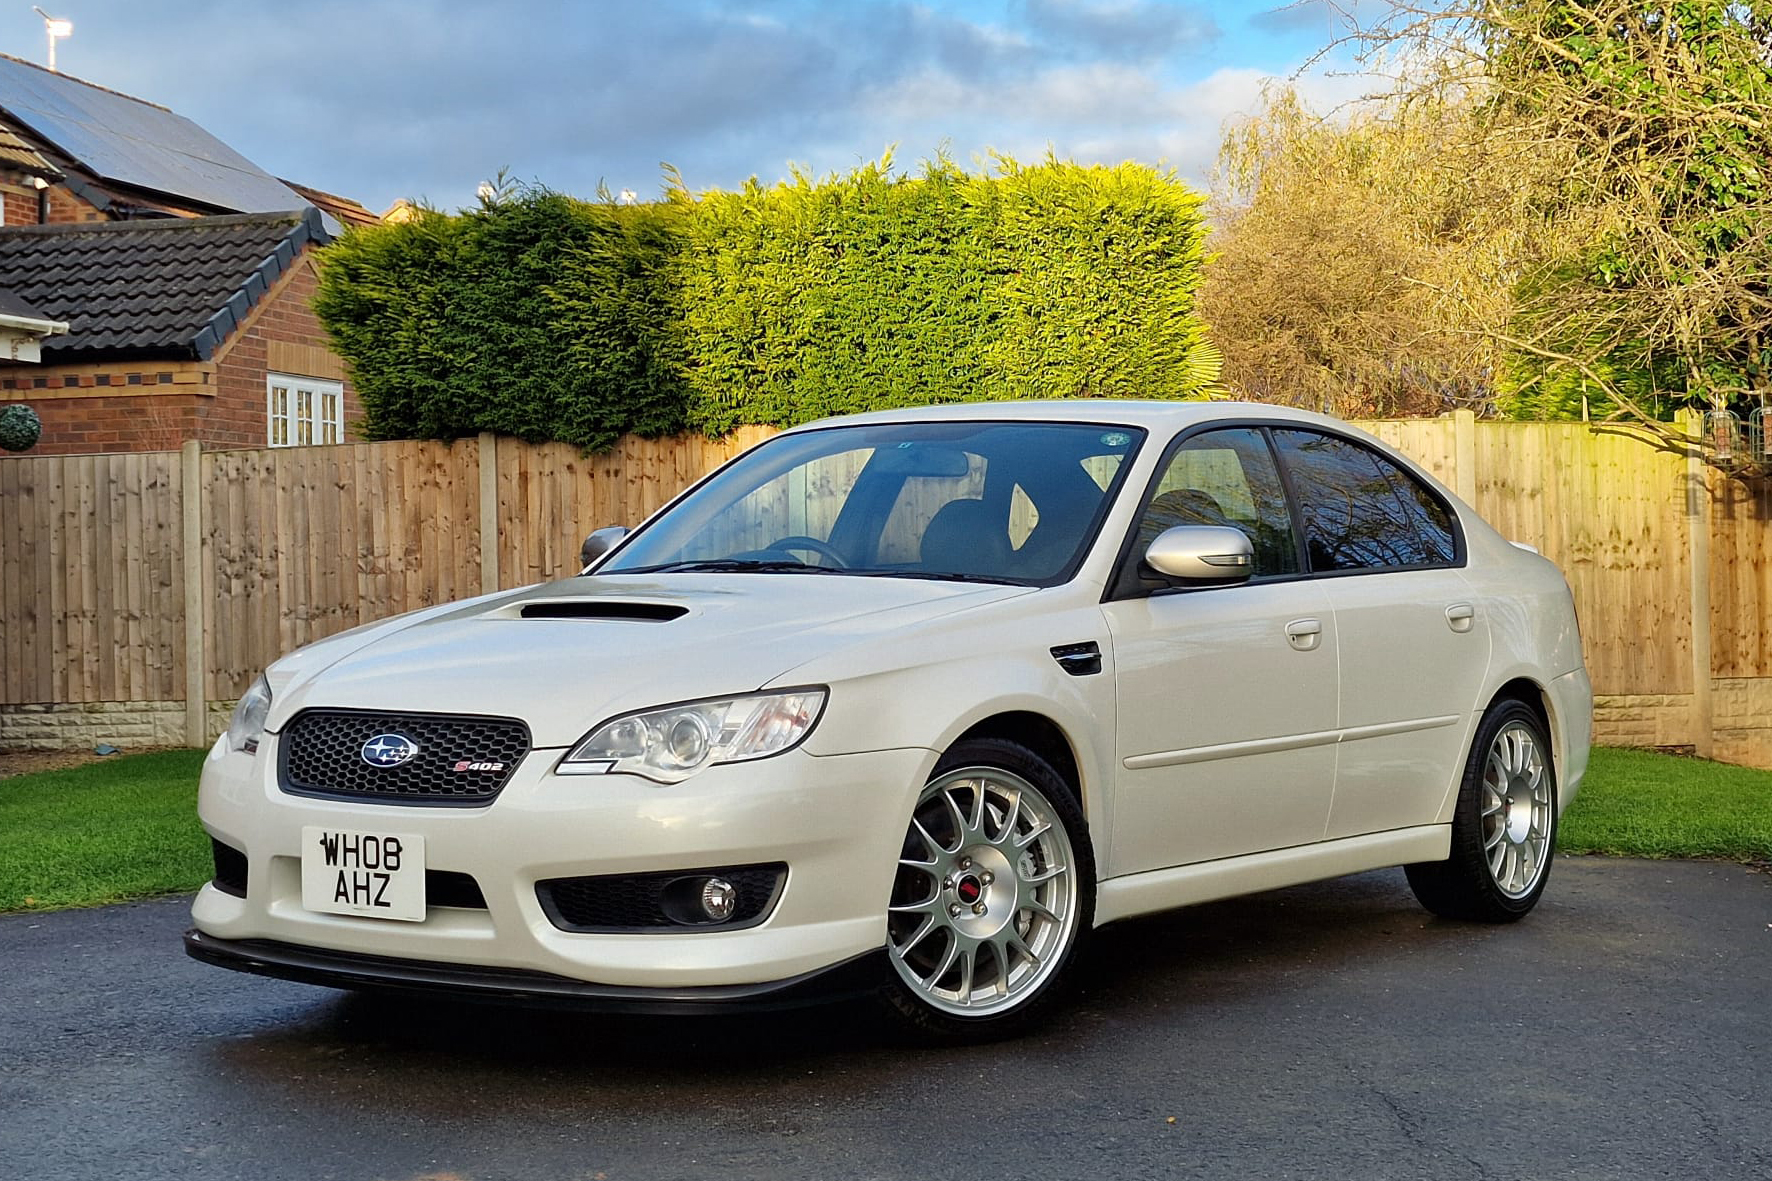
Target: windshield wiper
x=734, y=565
x=937, y=576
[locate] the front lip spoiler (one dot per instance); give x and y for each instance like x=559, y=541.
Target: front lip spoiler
x=858, y=975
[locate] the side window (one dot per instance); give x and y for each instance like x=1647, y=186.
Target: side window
x=1225, y=477
x=1433, y=520
x=1361, y=511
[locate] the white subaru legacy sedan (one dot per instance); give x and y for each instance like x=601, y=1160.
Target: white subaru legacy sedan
x=908, y=703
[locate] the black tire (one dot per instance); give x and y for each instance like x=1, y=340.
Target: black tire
x=1491, y=876
x=1030, y=925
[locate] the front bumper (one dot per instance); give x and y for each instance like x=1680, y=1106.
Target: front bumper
x=836, y=821
x=336, y=969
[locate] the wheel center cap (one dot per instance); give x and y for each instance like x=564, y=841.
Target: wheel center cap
x=969, y=889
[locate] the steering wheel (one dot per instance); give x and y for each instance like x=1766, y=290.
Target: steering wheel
x=800, y=541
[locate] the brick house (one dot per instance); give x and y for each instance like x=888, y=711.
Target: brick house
x=183, y=271
x=178, y=328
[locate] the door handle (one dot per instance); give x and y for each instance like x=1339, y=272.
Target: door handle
x=1460, y=616
x=1304, y=634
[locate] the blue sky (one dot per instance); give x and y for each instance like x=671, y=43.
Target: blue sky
x=381, y=99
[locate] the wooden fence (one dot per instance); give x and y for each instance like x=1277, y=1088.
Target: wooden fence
x=1669, y=562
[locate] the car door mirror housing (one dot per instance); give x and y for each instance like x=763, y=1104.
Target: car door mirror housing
x=1202, y=554
x=600, y=543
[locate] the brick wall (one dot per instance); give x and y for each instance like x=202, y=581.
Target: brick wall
x=108, y=425
x=224, y=408
x=65, y=208
x=236, y=416
x=20, y=205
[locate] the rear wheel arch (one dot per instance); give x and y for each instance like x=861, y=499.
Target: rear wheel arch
x=1535, y=697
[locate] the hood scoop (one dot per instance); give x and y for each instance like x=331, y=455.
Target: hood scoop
x=604, y=609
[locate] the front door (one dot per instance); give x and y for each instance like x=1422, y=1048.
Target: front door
x=1227, y=696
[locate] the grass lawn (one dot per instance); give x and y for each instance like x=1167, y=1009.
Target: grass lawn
x=127, y=827
x=122, y=828
x=1636, y=803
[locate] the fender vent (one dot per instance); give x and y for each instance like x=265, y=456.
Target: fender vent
x=1080, y=660
x=606, y=609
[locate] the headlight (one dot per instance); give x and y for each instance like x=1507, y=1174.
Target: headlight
x=248, y=721
x=671, y=744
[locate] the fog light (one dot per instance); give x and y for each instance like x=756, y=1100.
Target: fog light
x=719, y=898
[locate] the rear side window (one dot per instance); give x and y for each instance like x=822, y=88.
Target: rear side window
x=1360, y=510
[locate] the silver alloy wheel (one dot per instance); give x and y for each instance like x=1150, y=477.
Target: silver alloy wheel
x=985, y=901
x=1517, y=810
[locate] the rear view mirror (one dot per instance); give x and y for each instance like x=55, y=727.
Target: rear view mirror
x=600, y=543
x=1202, y=553
x=928, y=460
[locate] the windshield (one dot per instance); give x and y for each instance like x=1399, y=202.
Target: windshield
x=1011, y=502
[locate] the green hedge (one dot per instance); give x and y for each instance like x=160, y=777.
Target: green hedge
x=456, y=324
x=550, y=318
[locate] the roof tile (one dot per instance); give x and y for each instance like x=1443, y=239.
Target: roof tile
x=150, y=286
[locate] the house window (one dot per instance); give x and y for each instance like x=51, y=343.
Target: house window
x=304, y=410
x=279, y=414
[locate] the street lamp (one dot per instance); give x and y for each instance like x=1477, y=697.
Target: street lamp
x=57, y=27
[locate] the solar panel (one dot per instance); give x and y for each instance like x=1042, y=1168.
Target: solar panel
x=135, y=143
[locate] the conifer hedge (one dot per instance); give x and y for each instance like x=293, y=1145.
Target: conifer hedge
x=535, y=315
x=550, y=318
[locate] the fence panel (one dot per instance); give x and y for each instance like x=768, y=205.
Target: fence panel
x=301, y=543
x=1741, y=578
x=305, y=542
x=1611, y=511
x=92, y=579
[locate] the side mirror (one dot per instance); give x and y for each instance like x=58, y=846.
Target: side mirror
x=1202, y=554
x=600, y=543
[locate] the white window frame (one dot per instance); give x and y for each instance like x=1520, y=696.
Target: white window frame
x=310, y=410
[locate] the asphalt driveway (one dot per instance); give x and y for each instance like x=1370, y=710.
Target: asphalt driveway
x=1334, y=1031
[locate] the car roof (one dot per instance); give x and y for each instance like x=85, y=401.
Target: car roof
x=1157, y=417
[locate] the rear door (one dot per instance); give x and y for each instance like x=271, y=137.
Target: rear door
x=1413, y=640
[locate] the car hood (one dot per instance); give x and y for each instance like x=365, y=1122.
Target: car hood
x=564, y=656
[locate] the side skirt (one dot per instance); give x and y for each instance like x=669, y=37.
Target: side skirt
x=1208, y=881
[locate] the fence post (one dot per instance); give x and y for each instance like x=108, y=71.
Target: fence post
x=1698, y=555
x=488, y=512
x=1464, y=455
x=191, y=483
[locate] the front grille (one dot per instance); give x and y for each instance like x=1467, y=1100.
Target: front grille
x=230, y=868
x=462, y=760
x=657, y=901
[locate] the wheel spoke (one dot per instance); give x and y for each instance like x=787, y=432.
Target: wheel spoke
x=947, y=961
x=975, y=824
x=1033, y=834
x=1014, y=942
x=958, y=817
x=968, y=962
x=1040, y=879
x=930, y=844
x=1011, y=813
x=904, y=949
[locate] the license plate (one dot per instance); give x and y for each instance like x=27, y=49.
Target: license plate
x=378, y=875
